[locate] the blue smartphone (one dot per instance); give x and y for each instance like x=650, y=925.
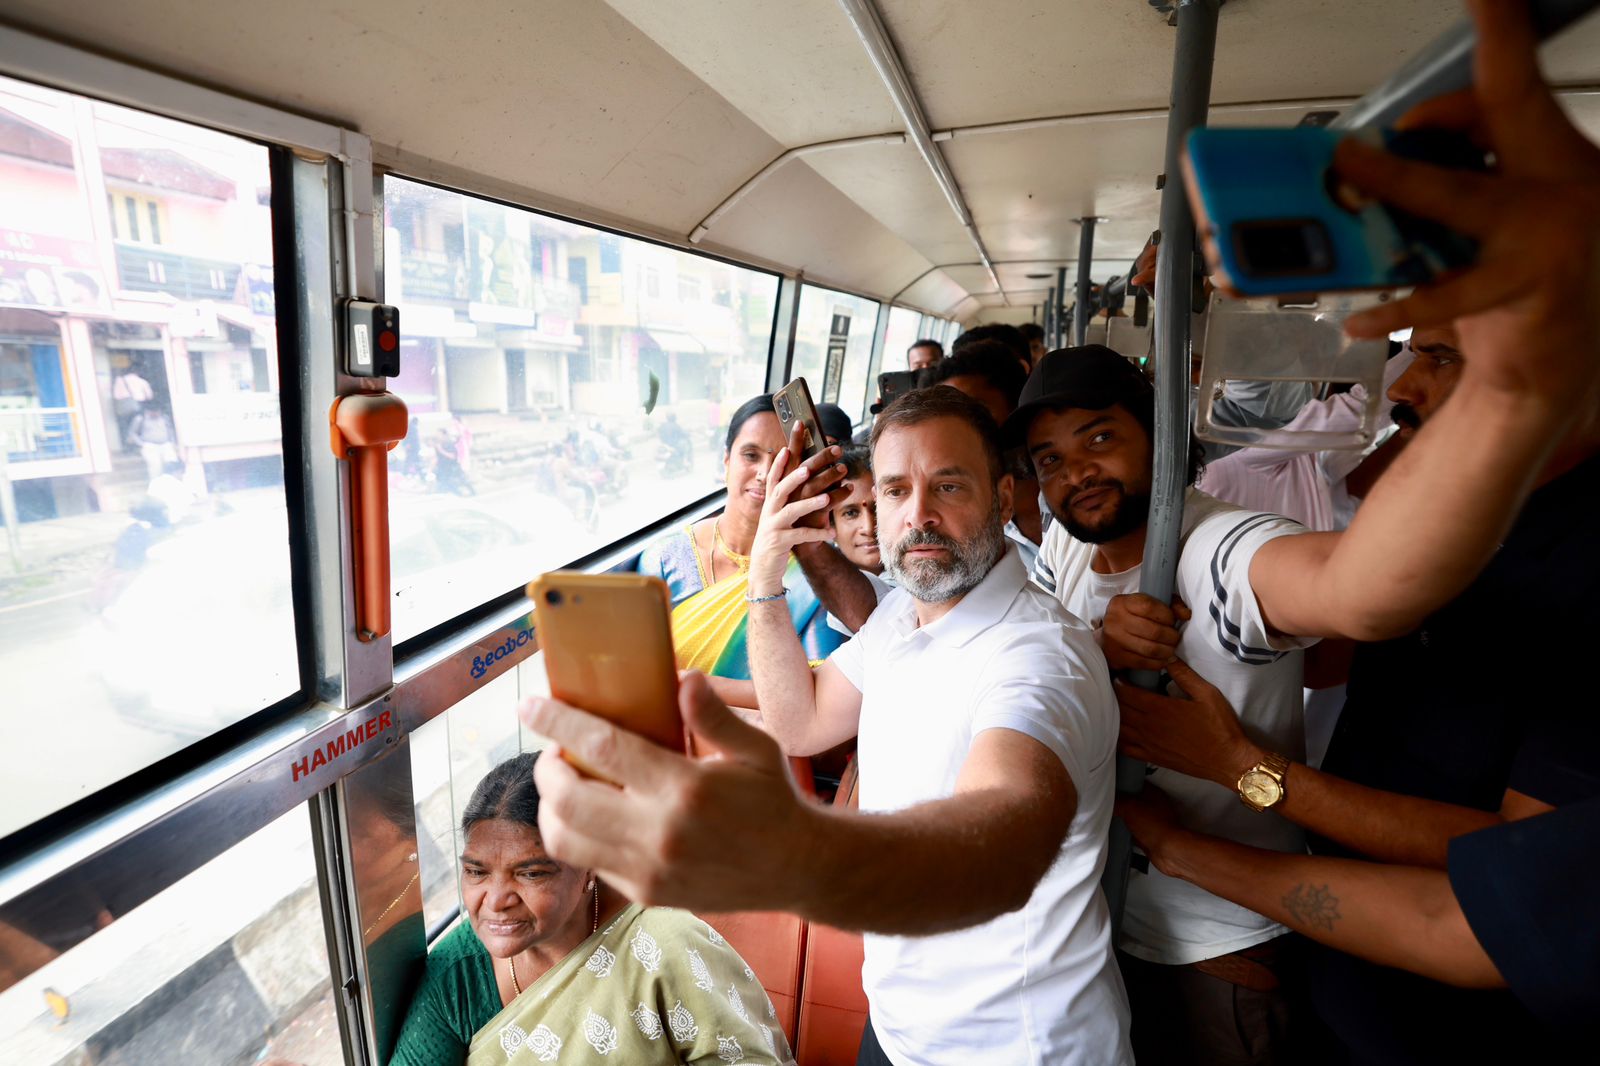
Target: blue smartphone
x=1275, y=219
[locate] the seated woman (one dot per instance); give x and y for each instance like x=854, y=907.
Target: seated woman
x=707, y=564
x=550, y=958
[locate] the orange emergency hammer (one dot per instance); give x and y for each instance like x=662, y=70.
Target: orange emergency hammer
x=365, y=427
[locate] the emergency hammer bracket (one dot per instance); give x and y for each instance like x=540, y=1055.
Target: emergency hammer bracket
x=365, y=427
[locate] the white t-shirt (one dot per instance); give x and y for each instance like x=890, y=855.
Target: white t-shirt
x=1038, y=985
x=880, y=588
x=1167, y=920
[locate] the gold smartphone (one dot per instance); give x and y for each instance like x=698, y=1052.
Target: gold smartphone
x=607, y=644
x=792, y=403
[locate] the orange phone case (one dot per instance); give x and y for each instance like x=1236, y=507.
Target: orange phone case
x=607, y=644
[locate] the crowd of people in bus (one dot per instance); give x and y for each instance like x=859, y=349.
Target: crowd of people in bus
x=958, y=598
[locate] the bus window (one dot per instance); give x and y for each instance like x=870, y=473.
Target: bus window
x=553, y=373
x=449, y=755
x=145, y=584
x=904, y=331
x=229, y=964
x=833, y=347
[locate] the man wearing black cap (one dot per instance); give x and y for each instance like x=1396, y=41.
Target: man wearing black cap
x=1203, y=974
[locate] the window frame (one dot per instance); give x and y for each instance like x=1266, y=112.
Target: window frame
x=154, y=827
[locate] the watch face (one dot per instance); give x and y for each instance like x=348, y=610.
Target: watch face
x=1260, y=788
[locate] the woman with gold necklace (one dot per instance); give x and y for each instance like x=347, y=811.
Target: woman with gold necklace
x=549, y=958
x=707, y=564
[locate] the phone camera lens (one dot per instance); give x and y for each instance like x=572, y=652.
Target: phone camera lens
x=553, y=598
x=783, y=410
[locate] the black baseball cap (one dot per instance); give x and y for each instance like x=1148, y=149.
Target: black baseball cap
x=835, y=423
x=1092, y=377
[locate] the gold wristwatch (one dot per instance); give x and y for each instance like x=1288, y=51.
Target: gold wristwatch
x=1261, y=787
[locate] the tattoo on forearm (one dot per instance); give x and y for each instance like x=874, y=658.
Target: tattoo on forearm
x=1313, y=906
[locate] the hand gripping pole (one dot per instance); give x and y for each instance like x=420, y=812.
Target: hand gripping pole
x=365, y=427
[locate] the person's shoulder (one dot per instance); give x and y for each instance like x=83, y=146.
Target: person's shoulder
x=451, y=970
x=891, y=603
x=1210, y=525
x=1060, y=553
x=1056, y=541
x=460, y=946
x=671, y=929
x=675, y=921
x=668, y=553
x=1038, y=629
x=1201, y=509
x=670, y=543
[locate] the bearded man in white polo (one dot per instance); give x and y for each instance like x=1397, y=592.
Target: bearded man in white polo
x=977, y=696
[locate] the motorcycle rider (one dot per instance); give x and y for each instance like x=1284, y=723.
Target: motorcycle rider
x=676, y=438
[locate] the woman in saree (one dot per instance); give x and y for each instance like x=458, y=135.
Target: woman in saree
x=550, y=958
x=706, y=565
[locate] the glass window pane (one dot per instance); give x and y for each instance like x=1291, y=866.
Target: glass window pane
x=140, y=451
x=229, y=964
x=449, y=756
x=833, y=347
x=904, y=330
x=542, y=363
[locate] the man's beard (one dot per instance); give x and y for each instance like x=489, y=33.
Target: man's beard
x=1132, y=511
x=1404, y=414
x=935, y=581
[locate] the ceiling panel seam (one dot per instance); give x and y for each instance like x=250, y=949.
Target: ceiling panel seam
x=755, y=179
x=869, y=27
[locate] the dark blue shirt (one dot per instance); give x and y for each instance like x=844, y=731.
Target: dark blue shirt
x=1474, y=702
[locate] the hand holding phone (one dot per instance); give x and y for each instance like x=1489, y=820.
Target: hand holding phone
x=607, y=644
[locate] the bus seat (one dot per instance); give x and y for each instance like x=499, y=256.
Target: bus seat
x=833, y=1007
x=833, y=1010
x=774, y=945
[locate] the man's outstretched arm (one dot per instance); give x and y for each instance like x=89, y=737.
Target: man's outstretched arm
x=728, y=832
x=1392, y=915
x=1527, y=315
x=1201, y=736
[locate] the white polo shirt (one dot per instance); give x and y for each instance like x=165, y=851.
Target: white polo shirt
x=1038, y=985
x=1167, y=920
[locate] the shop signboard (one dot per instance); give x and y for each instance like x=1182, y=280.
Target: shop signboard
x=51, y=273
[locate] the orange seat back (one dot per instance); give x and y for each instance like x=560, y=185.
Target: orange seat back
x=833, y=1008
x=773, y=944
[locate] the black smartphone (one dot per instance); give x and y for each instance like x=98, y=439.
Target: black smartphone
x=893, y=384
x=793, y=404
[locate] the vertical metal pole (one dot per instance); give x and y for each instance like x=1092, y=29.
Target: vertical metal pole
x=1058, y=339
x=1050, y=320
x=1080, y=319
x=1191, y=95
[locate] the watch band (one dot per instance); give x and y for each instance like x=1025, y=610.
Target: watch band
x=1275, y=764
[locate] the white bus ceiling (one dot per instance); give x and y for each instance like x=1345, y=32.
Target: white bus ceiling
x=647, y=114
